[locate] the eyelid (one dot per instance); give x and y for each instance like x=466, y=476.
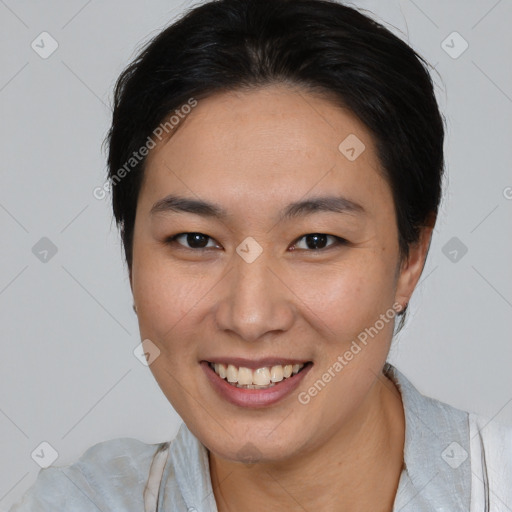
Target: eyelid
x=171, y=240
x=337, y=241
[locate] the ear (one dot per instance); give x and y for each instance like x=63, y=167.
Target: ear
x=412, y=267
x=131, y=287
x=130, y=280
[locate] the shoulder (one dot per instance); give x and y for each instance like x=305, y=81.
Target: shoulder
x=110, y=475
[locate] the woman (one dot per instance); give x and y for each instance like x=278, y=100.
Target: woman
x=276, y=173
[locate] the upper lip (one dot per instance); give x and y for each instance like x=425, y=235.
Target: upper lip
x=255, y=363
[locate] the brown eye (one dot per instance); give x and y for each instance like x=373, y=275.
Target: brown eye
x=318, y=241
x=191, y=240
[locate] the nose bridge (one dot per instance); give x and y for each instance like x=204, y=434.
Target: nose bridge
x=255, y=302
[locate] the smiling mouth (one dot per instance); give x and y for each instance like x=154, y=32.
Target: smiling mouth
x=260, y=378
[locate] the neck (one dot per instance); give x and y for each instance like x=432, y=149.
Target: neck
x=359, y=466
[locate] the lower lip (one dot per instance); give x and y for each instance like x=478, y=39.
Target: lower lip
x=254, y=397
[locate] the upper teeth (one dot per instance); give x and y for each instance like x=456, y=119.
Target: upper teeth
x=259, y=377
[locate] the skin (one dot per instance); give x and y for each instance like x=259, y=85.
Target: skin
x=253, y=153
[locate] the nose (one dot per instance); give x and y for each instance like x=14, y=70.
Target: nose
x=255, y=300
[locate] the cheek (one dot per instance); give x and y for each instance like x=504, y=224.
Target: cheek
x=167, y=296
x=168, y=300
x=349, y=296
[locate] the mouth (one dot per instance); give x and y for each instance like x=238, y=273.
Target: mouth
x=255, y=383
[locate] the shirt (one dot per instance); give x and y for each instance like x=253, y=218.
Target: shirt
x=454, y=461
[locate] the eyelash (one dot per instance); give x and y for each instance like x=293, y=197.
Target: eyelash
x=172, y=240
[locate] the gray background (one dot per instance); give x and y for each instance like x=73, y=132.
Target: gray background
x=68, y=375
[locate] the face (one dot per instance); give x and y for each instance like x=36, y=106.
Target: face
x=293, y=257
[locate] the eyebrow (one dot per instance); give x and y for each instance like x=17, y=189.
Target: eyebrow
x=333, y=204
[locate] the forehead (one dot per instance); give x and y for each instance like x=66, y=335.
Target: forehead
x=270, y=144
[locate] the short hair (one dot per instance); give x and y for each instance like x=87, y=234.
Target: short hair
x=321, y=46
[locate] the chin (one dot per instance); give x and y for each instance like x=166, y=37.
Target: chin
x=257, y=447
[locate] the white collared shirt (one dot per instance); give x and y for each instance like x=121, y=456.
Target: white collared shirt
x=455, y=461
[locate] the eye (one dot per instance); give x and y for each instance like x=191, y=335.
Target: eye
x=318, y=241
x=199, y=241
x=196, y=241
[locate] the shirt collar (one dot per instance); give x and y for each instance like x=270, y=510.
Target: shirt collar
x=437, y=474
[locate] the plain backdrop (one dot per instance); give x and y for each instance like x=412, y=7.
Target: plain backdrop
x=68, y=375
